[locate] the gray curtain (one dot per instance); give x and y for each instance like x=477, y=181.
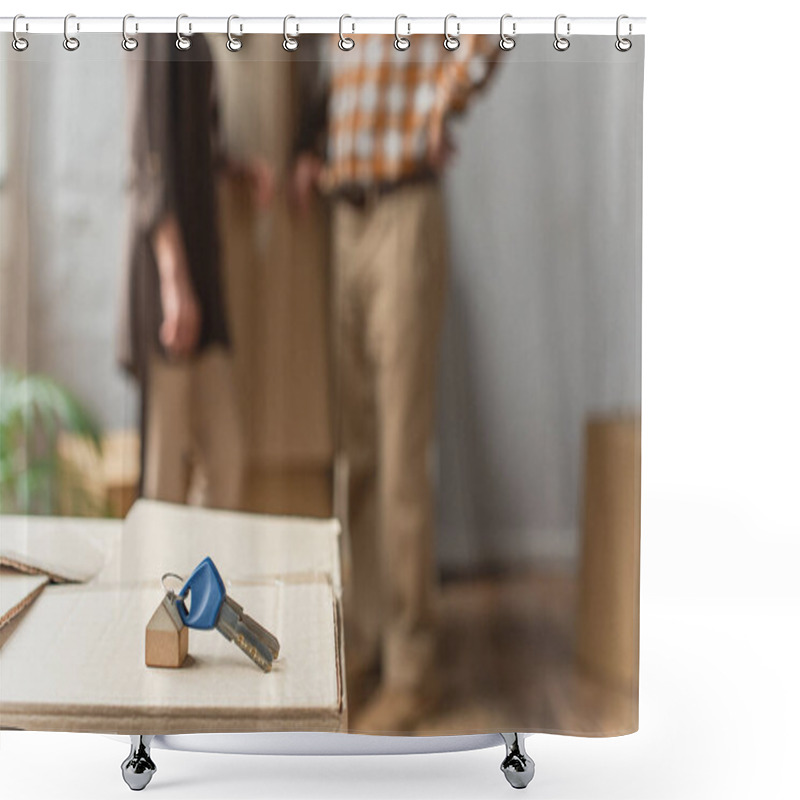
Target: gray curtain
x=544, y=318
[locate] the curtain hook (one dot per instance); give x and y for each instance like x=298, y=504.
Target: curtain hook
x=345, y=42
x=623, y=44
x=17, y=42
x=71, y=43
x=450, y=42
x=129, y=44
x=290, y=43
x=401, y=43
x=561, y=43
x=182, y=42
x=507, y=41
x=234, y=43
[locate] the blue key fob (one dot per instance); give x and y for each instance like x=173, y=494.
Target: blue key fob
x=208, y=594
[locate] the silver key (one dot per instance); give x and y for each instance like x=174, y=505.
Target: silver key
x=212, y=608
x=251, y=638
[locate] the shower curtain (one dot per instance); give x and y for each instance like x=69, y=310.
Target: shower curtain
x=360, y=322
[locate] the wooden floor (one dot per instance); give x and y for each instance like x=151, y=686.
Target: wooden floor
x=507, y=651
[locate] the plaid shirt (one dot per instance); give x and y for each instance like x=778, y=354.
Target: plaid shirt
x=386, y=108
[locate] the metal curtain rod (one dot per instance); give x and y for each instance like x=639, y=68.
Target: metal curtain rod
x=300, y=25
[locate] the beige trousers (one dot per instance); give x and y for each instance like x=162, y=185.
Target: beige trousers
x=390, y=279
x=194, y=450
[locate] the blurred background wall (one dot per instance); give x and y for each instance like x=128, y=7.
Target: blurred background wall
x=60, y=312
x=543, y=327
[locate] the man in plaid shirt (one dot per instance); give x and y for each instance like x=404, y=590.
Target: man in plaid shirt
x=382, y=126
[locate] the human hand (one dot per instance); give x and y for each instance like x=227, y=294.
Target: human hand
x=441, y=147
x=304, y=181
x=261, y=175
x=180, y=328
x=257, y=176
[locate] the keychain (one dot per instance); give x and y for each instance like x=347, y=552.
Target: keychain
x=167, y=637
x=166, y=641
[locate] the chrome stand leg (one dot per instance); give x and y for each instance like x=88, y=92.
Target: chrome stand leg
x=138, y=768
x=517, y=766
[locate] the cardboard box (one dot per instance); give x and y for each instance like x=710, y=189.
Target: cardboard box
x=75, y=660
x=76, y=663
x=97, y=484
x=608, y=609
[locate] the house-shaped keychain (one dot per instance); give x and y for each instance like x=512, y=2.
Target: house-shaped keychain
x=166, y=638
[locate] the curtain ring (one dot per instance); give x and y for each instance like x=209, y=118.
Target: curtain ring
x=345, y=42
x=507, y=42
x=401, y=43
x=182, y=42
x=561, y=43
x=622, y=44
x=234, y=43
x=129, y=44
x=451, y=43
x=71, y=43
x=17, y=42
x=289, y=42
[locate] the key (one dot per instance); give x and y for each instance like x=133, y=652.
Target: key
x=212, y=608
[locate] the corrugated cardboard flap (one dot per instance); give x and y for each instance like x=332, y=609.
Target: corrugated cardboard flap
x=77, y=664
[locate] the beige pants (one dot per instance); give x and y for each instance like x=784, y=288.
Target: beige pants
x=390, y=279
x=194, y=450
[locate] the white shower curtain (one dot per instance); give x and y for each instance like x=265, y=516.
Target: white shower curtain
x=421, y=269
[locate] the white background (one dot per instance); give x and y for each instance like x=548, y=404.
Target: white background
x=720, y=694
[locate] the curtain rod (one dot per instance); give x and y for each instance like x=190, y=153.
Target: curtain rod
x=300, y=25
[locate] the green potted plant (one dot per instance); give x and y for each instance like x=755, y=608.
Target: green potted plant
x=34, y=409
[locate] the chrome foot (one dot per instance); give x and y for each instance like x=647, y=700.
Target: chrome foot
x=517, y=766
x=138, y=768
